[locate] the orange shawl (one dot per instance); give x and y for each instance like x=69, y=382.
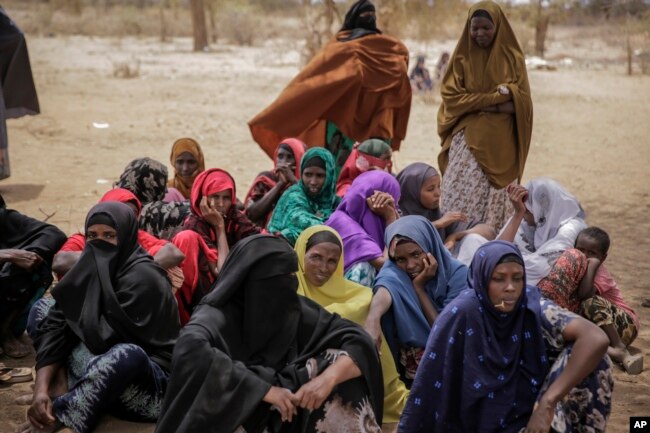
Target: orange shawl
x=361, y=85
x=186, y=145
x=498, y=141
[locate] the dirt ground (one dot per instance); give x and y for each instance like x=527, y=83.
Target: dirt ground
x=590, y=133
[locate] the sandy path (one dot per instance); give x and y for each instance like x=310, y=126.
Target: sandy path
x=590, y=134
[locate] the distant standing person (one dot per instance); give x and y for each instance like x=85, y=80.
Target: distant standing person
x=17, y=91
x=485, y=119
x=357, y=87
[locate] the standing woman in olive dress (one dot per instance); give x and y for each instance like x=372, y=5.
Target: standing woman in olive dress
x=485, y=119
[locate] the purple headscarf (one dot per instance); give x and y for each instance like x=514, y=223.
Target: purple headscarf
x=479, y=360
x=362, y=231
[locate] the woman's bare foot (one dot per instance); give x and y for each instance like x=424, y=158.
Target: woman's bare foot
x=14, y=348
x=632, y=364
x=27, y=427
x=24, y=400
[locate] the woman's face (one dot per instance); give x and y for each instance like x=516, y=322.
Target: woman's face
x=185, y=164
x=320, y=262
x=409, y=257
x=313, y=178
x=481, y=30
x=506, y=285
x=102, y=232
x=430, y=193
x=286, y=159
x=221, y=201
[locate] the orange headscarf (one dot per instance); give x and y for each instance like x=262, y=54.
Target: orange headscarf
x=498, y=141
x=186, y=145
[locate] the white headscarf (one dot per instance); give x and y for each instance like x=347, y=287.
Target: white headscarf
x=558, y=220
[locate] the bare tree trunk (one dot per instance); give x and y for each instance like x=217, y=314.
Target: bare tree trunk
x=163, y=23
x=212, y=19
x=629, y=55
x=541, y=28
x=198, y=25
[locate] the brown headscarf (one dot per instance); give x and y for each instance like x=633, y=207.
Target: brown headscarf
x=186, y=145
x=498, y=141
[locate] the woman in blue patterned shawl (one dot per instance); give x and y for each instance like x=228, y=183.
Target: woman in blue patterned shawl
x=499, y=359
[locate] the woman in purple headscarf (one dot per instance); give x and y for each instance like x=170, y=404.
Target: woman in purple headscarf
x=361, y=219
x=500, y=359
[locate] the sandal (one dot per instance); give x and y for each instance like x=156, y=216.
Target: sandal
x=633, y=364
x=17, y=375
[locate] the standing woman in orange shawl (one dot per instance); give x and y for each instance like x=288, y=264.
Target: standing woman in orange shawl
x=188, y=162
x=485, y=119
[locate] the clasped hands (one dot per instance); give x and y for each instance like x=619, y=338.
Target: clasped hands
x=310, y=396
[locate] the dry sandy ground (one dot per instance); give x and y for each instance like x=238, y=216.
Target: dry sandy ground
x=590, y=133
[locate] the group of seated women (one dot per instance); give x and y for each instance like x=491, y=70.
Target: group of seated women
x=317, y=304
x=338, y=296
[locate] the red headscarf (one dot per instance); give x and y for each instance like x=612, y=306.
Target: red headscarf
x=268, y=178
x=358, y=162
x=123, y=196
x=211, y=182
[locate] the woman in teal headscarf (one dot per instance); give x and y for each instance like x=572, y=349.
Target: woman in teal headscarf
x=309, y=202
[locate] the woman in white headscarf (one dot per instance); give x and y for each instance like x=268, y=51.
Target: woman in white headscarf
x=546, y=221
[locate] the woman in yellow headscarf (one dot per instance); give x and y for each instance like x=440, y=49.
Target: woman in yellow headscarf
x=320, y=275
x=187, y=160
x=485, y=119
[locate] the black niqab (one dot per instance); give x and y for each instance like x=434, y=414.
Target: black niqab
x=357, y=25
x=253, y=331
x=113, y=294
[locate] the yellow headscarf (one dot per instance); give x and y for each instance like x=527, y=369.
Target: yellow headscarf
x=338, y=295
x=351, y=301
x=498, y=141
x=186, y=145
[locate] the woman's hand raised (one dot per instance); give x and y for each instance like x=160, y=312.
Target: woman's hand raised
x=429, y=271
x=518, y=196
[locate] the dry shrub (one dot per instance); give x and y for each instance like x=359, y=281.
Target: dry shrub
x=126, y=69
x=237, y=27
x=320, y=22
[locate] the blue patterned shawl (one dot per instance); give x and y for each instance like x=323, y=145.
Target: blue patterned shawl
x=482, y=368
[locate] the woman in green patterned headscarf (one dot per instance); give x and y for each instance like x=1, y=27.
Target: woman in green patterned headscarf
x=309, y=202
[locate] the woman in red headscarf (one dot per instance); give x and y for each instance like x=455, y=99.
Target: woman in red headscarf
x=372, y=154
x=163, y=252
x=268, y=186
x=213, y=227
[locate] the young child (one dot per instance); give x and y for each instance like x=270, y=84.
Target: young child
x=606, y=307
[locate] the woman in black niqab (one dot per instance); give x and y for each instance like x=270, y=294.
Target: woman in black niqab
x=253, y=335
x=111, y=330
x=360, y=20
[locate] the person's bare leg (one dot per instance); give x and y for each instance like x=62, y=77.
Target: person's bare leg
x=12, y=347
x=617, y=350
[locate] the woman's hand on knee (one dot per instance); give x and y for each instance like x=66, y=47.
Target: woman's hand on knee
x=313, y=394
x=282, y=399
